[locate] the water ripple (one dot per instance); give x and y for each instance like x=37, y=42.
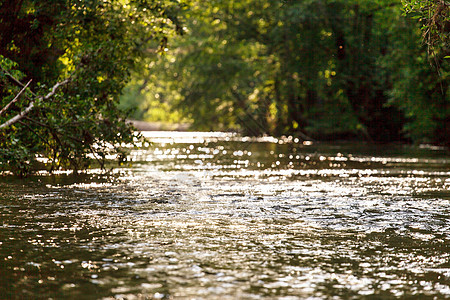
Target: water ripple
x=233, y=218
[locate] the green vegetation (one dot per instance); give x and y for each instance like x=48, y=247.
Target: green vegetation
x=83, y=51
x=323, y=69
x=435, y=19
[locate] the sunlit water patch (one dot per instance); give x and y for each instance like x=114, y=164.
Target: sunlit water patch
x=218, y=216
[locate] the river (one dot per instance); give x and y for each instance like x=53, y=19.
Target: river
x=218, y=216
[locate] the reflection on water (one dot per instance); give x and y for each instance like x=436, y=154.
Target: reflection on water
x=218, y=216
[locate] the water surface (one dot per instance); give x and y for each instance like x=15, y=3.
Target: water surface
x=217, y=216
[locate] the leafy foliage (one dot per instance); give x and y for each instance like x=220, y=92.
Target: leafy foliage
x=426, y=90
x=324, y=69
x=93, y=44
x=435, y=18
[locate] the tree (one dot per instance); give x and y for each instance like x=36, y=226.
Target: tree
x=435, y=18
x=421, y=91
x=322, y=69
x=83, y=51
x=270, y=67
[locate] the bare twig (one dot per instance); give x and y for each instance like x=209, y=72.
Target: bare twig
x=20, y=115
x=55, y=87
x=15, y=98
x=16, y=81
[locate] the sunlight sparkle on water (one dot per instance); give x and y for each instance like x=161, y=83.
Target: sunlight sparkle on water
x=219, y=216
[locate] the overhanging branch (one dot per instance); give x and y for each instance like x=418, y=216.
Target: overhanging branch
x=15, y=98
x=20, y=115
x=14, y=80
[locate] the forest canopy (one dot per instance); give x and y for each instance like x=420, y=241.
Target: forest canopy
x=319, y=69
x=72, y=71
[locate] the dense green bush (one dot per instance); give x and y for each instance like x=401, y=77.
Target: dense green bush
x=83, y=51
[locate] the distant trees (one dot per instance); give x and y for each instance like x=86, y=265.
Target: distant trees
x=76, y=56
x=326, y=69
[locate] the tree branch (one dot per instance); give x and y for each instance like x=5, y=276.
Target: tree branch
x=15, y=98
x=18, y=117
x=30, y=107
x=38, y=135
x=16, y=81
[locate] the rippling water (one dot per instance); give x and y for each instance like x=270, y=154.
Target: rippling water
x=217, y=216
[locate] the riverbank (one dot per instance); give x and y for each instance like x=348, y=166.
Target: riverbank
x=330, y=138
x=158, y=126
